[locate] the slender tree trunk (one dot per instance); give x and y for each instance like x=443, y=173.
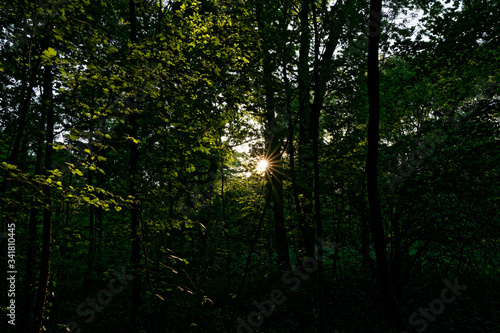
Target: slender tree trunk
x=315, y=113
x=170, y=211
x=135, y=210
x=68, y=206
x=279, y=218
x=99, y=229
x=319, y=231
x=100, y=183
x=273, y=139
x=134, y=220
x=376, y=222
x=87, y=284
x=305, y=184
x=32, y=250
x=43, y=282
x=291, y=151
x=321, y=75
x=99, y=217
x=226, y=229
x=273, y=148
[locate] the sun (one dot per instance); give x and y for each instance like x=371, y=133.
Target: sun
x=262, y=165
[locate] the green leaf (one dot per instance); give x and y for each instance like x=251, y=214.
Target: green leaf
x=136, y=141
x=49, y=53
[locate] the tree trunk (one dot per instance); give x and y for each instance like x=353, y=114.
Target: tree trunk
x=135, y=210
x=33, y=250
x=47, y=100
x=315, y=113
x=376, y=222
x=305, y=184
x=87, y=283
x=226, y=229
x=274, y=173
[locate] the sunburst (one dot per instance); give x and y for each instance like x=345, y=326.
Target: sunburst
x=266, y=164
x=262, y=165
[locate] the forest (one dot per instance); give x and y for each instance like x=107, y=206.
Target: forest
x=276, y=166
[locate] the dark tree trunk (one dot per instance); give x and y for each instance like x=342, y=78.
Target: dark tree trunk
x=321, y=74
x=99, y=215
x=226, y=229
x=279, y=217
x=273, y=153
x=291, y=150
x=315, y=113
x=376, y=223
x=32, y=250
x=135, y=209
x=305, y=183
x=316, y=106
x=47, y=100
x=87, y=284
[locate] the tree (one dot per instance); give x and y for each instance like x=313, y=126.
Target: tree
x=377, y=228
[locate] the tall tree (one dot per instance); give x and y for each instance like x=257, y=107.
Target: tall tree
x=273, y=136
x=133, y=184
x=43, y=281
x=304, y=203
x=376, y=222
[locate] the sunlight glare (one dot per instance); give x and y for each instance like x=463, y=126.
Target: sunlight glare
x=262, y=166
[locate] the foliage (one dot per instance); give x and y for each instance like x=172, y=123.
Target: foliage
x=97, y=125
